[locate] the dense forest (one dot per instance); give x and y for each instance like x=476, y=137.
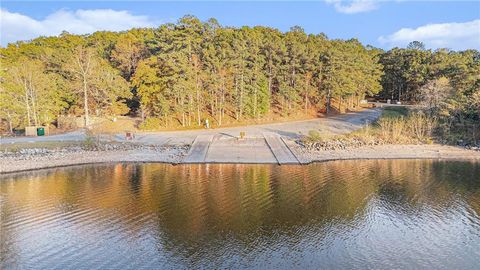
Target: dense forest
x=180, y=74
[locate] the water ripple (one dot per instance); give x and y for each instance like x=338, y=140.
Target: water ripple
x=346, y=214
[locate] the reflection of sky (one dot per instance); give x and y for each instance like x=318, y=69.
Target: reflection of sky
x=128, y=216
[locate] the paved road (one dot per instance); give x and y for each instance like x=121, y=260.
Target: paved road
x=78, y=135
x=338, y=124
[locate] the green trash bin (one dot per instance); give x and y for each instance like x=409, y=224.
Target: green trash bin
x=40, y=131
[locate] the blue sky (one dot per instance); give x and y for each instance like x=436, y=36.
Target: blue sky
x=452, y=24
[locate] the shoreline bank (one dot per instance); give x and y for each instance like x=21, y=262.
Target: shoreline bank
x=430, y=151
x=34, y=160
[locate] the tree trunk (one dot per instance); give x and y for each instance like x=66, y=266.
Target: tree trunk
x=220, y=117
x=255, y=112
x=254, y=82
x=190, y=106
x=222, y=103
x=223, y=106
x=10, y=127
x=329, y=100
x=241, y=97
x=34, y=111
x=217, y=107
x=32, y=98
x=306, y=93
x=236, y=93
x=27, y=103
x=270, y=76
x=399, y=93
x=306, y=103
x=198, y=105
x=34, y=106
x=85, y=101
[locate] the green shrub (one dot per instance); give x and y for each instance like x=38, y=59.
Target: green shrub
x=314, y=135
x=91, y=141
x=394, y=112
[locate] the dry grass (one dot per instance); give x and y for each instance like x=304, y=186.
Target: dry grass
x=415, y=128
x=125, y=123
x=121, y=125
x=227, y=121
x=396, y=126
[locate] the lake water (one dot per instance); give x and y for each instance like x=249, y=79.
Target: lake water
x=345, y=214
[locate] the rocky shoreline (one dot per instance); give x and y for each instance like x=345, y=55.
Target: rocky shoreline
x=387, y=151
x=39, y=158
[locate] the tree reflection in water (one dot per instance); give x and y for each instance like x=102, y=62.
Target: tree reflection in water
x=373, y=213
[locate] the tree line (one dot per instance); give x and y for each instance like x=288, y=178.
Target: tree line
x=445, y=83
x=179, y=74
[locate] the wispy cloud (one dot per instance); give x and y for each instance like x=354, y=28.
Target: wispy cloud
x=353, y=6
x=16, y=26
x=457, y=36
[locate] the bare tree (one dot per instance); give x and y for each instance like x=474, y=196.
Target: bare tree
x=435, y=92
x=82, y=66
x=100, y=85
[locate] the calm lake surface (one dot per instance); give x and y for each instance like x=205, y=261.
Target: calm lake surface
x=345, y=214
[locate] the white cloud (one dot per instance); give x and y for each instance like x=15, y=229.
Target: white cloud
x=16, y=26
x=457, y=36
x=353, y=6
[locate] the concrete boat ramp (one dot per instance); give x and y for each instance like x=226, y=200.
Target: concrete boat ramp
x=222, y=148
x=199, y=149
